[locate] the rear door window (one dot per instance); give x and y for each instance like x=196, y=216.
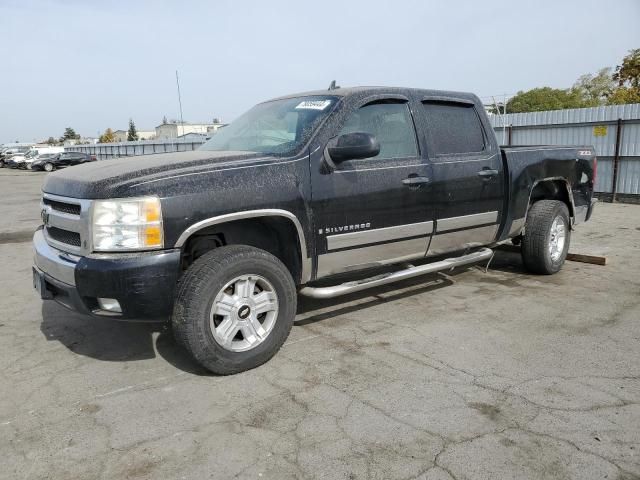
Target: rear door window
x=454, y=128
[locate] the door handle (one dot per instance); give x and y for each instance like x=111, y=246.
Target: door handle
x=488, y=173
x=414, y=181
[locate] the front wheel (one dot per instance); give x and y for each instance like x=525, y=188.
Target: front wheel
x=234, y=309
x=48, y=167
x=546, y=238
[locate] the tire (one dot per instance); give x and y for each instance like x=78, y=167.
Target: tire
x=48, y=167
x=220, y=279
x=544, y=250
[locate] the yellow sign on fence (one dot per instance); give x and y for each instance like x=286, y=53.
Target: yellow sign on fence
x=600, y=131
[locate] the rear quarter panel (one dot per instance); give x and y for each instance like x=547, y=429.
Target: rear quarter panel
x=527, y=166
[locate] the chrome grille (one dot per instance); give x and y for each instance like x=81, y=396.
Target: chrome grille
x=64, y=236
x=67, y=223
x=70, y=208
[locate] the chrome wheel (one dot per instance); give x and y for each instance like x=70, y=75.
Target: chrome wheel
x=557, y=238
x=244, y=313
x=48, y=167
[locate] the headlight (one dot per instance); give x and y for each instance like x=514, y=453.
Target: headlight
x=127, y=224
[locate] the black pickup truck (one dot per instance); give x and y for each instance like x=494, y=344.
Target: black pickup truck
x=322, y=193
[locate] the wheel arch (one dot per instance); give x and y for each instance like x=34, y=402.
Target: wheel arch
x=259, y=220
x=552, y=188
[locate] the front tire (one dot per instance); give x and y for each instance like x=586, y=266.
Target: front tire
x=48, y=167
x=234, y=309
x=546, y=238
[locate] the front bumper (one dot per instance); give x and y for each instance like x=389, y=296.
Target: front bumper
x=144, y=283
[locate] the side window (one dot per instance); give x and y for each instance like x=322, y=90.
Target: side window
x=454, y=128
x=390, y=123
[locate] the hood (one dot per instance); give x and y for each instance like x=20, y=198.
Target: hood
x=119, y=177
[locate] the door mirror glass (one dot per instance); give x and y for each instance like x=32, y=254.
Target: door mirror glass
x=353, y=146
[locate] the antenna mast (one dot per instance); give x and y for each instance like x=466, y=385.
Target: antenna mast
x=180, y=102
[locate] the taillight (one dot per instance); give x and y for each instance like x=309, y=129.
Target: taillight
x=595, y=170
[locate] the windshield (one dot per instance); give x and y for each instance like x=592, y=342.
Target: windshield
x=31, y=154
x=280, y=127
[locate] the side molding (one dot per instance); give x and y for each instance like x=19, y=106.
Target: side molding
x=270, y=212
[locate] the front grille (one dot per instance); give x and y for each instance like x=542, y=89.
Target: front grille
x=70, y=208
x=64, y=236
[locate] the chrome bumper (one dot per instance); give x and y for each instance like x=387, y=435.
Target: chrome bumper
x=57, y=264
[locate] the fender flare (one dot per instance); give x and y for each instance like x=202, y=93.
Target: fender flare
x=565, y=182
x=305, y=261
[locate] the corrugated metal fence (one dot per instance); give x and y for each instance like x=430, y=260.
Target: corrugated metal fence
x=614, y=131
x=104, y=151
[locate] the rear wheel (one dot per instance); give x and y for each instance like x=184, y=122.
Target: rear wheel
x=546, y=238
x=48, y=167
x=234, y=309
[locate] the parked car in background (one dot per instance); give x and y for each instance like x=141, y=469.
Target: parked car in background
x=61, y=160
x=33, y=154
x=29, y=160
x=7, y=153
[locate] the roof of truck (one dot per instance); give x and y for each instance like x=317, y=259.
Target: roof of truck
x=343, y=92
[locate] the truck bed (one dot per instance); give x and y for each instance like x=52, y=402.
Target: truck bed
x=569, y=169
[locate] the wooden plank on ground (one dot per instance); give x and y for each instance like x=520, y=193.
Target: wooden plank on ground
x=574, y=257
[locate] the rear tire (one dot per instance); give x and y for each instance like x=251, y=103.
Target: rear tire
x=546, y=238
x=245, y=288
x=48, y=167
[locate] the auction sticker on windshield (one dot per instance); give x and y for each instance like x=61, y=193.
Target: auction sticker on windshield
x=313, y=105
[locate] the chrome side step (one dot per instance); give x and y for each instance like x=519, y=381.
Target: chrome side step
x=350, y=287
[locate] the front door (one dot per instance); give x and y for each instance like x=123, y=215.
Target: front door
x=374, y=211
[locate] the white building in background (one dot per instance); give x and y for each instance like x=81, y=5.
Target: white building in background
x=121, y=135
x=175, y=130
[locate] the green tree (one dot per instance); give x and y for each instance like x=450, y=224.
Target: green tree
x=545, y=98
x=52, y=141
x=624, y=95
x=627, y=76
x=595, y=89
x=69, y=134
x=107, y=136
x=164, y=120
x=132, y=133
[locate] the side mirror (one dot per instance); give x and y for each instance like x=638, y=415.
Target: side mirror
x=352, y=146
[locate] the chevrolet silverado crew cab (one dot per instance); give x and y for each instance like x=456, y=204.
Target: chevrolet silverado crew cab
x=322, y=194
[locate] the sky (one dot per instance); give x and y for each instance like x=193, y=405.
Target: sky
x=90, y=64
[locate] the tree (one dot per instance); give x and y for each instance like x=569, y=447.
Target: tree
x=52, y=141
x=132, y=134
x=545, y=98
x=164, y=120
x=627, y=76
x=624, y=95
x=107, y=136
x=595, y=89
x=69, y=134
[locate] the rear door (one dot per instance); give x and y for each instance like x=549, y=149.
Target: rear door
x=372, y=211
x=468, y=175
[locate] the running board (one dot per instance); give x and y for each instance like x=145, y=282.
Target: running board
x=350, y=287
